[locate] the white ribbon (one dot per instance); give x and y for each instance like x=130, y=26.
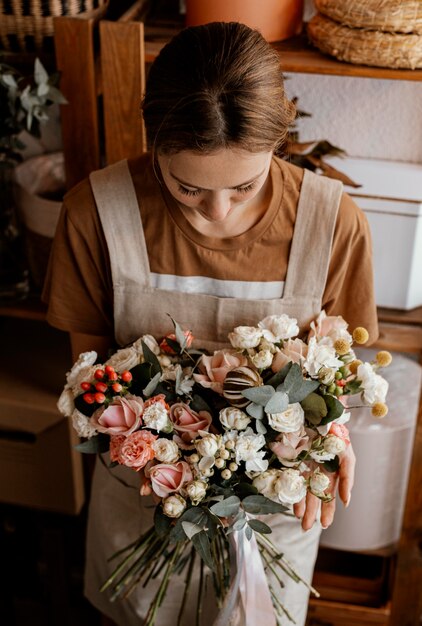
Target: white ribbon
x=248, y=601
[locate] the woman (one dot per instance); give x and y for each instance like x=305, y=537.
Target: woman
x=210, y=227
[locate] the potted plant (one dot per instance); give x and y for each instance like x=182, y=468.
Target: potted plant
x=24, y=104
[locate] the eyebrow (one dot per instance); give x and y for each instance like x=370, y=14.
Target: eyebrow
x=183, y=182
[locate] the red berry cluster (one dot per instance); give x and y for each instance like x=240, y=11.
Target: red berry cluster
x=106, y=379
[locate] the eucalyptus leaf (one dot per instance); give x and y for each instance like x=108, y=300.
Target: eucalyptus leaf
x=255, y=410
x=260, y=427
x=335, y=409
x=201, y=543
x=306, y=387
x=152, y=385
x=96, y=445
x=278, y=403
x=292, y=383
x=260, y=505
x=198, y=404
x=315, y=408
x=248, y=533
x=151, y=358
x=259, y=395
x=190, y=529
x=246, y=489
x=239, y=523
x=259, y=526
x=226, y=508
x=180, y=335
x=162, y=522
x=279, y=377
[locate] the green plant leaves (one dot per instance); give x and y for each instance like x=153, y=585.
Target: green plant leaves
x=315, y=408
x=259, y=395
x=260, y=505
x=277, y=403
x=226, y=508
x=96, y=445
x=259, y=526
x=335, y=409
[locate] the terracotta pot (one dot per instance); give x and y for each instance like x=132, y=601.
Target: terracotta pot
x=275, y=19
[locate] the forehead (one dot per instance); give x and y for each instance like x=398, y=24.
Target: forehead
x=228, y=167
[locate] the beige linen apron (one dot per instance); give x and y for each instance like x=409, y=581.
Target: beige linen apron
x=117, y=514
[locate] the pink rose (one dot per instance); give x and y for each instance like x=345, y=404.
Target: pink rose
x=188, y=422
x=215, y=368
x=288, y=446
x=341, y=431
x=116, y=442
x=293, y=350
x=333, y=326
x=136, y=449
x=121, y=417
x=159, y=399
x=168, y=478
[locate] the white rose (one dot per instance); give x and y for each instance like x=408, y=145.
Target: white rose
x=265, y=483
x=124, y=359
x=157, y=417
x=333, y=444
x=82, y=425
x=196, y=490
x=207, y=445
x=245, y=337
x=290, y=486
x=262, y=359
x=65, y=403
x=275, y=328
x=289, y=421
x=375, y=387
x=149, y=341
x=231, y=417
x=166, y=451
x=174, y=505
x=86, y=359
x=164, y=360
x=320, y=354
x=327, y=375
x=319, y=482
x=247, y=448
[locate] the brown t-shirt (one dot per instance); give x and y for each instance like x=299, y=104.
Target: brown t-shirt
x=254, y=264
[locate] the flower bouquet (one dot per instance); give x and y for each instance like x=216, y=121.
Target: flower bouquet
x=220, y=440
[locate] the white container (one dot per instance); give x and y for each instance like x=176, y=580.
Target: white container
x=383, y=451
x=391, y=197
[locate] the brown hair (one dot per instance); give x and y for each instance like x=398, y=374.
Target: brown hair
x=213, y=87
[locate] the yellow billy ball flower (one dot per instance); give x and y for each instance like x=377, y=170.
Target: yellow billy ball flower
x=353, y=366
x=379, y=409
x=342, y=346
x=360, y=335
x=383, y=358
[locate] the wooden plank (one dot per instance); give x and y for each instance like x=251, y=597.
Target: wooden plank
x=325, y=613
x=400, y=338
x=397, y=316
x=74, y=43
x=123, y=86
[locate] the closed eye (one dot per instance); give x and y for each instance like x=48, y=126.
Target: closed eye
x=189, y=192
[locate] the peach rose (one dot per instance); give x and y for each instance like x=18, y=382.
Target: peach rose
x=215, y=368
x=333, y=326
x=169, y=478
x=165, y=347
x=288, y=446
x=188, y=422
x=341, y=431
x=121, y=417
x=116, y=442
x=293, y=350
x=136, y=449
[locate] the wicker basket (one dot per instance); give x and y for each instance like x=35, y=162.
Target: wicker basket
x=27, y=26
x=395, y=16
x=364, y=47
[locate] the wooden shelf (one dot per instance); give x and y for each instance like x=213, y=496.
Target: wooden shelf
x=296, y=55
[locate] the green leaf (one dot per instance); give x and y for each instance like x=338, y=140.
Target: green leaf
x=260, y=505
x=255, y=410
x=96, y=445
x=307, y=387
x=198, y=404
x=259, y=395
x=190, y=529
x=226, y=508
x=335, y=409
x=352, y=387
x=150, y=357
x=259, y=526
x=202, y=546
x=292, y=383
x=162, y=523
x=174, y=345
x=180, y=336
x=239, y=523
x=152, y=385
x=260, y=427
x=278, y=378
x=333, y=465
x=248, y=533
x=246, y=489
x=315, y=408
x=278, y=403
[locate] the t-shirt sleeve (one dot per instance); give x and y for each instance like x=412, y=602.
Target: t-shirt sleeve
x=78, y=286
x=349, y=290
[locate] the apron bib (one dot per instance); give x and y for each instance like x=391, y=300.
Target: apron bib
x=117, y=513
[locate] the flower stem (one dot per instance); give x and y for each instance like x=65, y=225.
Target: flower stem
x=187, y=583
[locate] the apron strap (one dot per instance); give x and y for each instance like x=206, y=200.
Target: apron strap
x=115, y=197
x=310, y=251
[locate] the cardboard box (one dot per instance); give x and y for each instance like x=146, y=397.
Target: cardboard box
x=391, y=197
x=39, y=466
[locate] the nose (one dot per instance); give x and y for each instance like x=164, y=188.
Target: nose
x=216, y=205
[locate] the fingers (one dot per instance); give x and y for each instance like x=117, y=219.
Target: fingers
x=346, y=475
x=311, y=511
x=299, y=508
x=327, y=513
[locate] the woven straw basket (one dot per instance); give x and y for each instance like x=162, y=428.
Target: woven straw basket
x=394, y=16
x=365, y=47
x=27, y=25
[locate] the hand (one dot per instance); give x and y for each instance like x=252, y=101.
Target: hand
x=307, y=509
